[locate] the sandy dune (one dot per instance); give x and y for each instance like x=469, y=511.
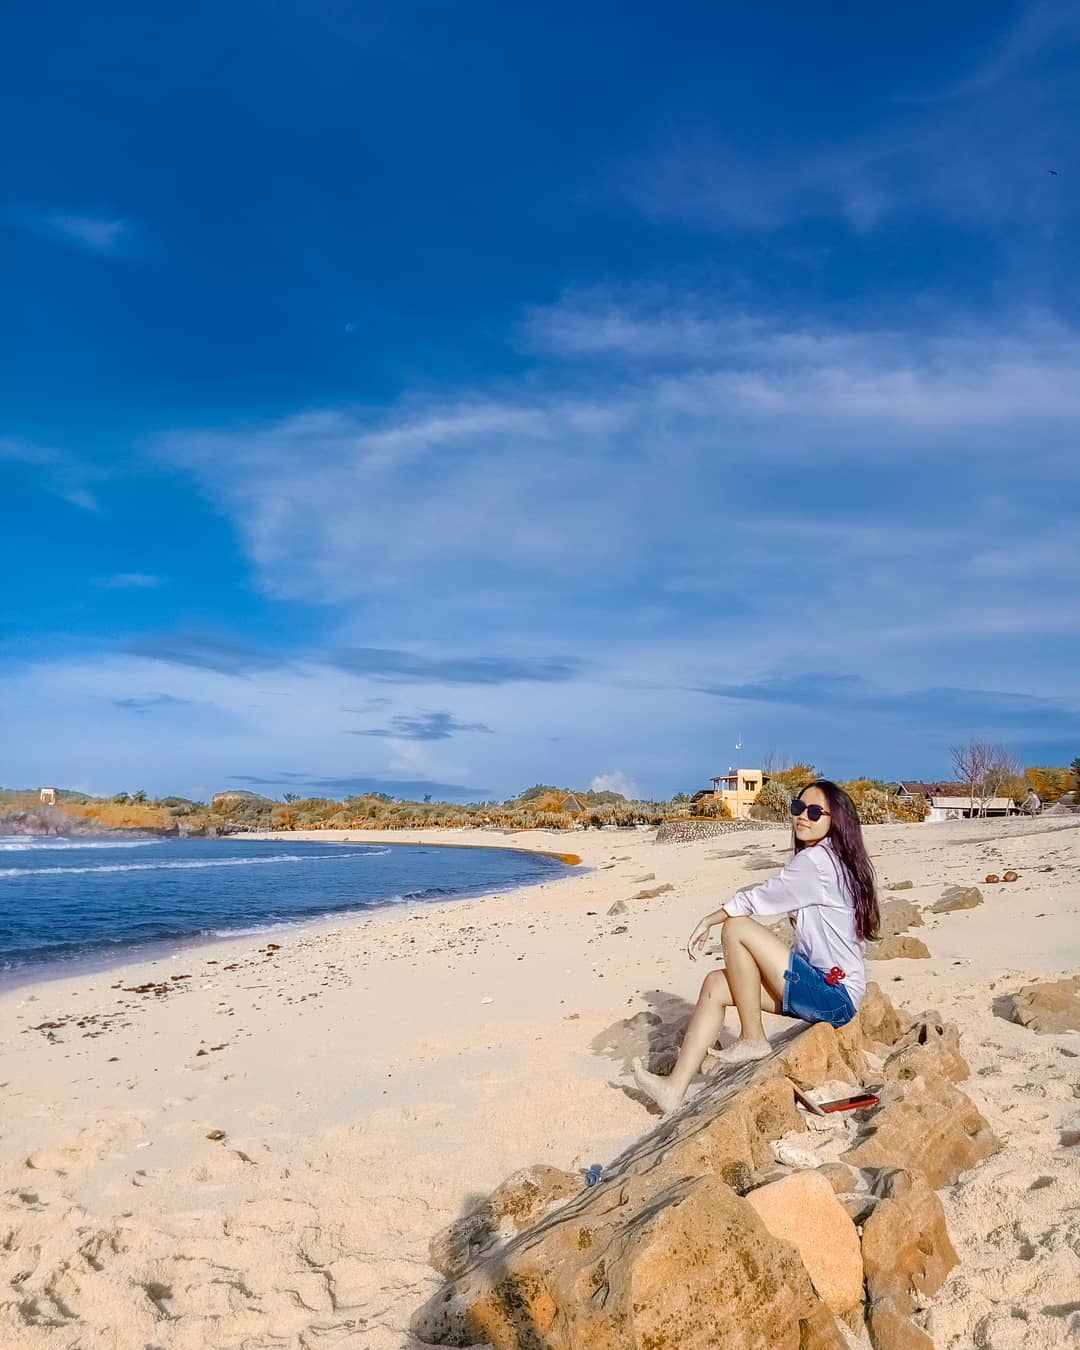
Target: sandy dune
x=372, y=1076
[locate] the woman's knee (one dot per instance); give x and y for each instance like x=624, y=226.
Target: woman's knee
x=734, y=929
x=714, y=987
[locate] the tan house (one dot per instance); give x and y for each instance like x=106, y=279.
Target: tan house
x=47, y=797
x=738, y=788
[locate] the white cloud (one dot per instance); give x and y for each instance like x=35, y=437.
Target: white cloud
x=605, y=471
x=615, y=782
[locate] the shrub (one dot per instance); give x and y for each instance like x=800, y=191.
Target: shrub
x=711, y=808
x=773, y=801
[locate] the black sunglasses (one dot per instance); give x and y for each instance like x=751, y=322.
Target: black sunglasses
x=813, y=811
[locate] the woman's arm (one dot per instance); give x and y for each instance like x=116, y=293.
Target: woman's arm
x=700, y=935
x=797, y=885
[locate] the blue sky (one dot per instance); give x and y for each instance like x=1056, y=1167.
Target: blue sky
x=444, y=400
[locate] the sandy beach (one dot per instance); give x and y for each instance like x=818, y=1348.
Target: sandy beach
x=372, y=1077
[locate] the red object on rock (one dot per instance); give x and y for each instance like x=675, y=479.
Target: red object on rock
x=835, y=976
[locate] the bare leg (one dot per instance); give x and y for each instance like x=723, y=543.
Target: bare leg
x=706, y=1024
x=756, y=961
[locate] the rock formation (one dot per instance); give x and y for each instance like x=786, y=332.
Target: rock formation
x=695, y=1239
x=957, y=897
x=1053, y=1005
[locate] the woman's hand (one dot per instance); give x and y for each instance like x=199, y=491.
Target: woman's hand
x=700, y=936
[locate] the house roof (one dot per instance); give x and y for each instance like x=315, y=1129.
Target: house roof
x=964, y=802
x=937, y=789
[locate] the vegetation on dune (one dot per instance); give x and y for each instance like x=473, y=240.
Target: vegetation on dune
x=542, y=806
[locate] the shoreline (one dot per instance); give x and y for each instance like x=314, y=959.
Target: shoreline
x=353, y=1070
x=156, y=951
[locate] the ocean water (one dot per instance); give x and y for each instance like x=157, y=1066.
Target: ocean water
x=99, y=901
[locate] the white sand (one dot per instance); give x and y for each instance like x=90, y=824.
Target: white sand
x=376, y=1075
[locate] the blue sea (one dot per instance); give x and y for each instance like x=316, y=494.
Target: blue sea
x=67, y=903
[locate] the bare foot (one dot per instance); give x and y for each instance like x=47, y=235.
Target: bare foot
x=660, y=1090
x=742, y=1052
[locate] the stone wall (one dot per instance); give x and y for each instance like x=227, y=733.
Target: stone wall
x=695, y=1238
x=684, y=831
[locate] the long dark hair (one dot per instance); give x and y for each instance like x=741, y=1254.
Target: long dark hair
x=845, y=836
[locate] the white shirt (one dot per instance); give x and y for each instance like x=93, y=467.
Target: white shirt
x=813, y=888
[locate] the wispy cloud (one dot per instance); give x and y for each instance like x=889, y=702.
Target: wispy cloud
x=60, y=473
x=206, y=651
x=104, y=233
x=974, y=154
x=401, y=667
x=428, y=726
x=1010, y=713
x=581, y=489
x=406, y=788
x=1046, y=28
x=129, y=581
x=151, y=702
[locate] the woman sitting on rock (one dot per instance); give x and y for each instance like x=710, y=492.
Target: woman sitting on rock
x=829, y=888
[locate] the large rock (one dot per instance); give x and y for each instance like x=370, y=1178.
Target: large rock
x=817, y=1057
x=957, y=897
x=520, y=1201
x=1048, y=1007
x=732, y=1143
x=888, y=949
x=668, y=1250
x=897, y=916
x=891, y=1330
x=691, y=1267
x=928, y=1126
x=803, y=1209
x=906, y=1249
x=930, y=1049
x=878, y=1020
x=906, y=1255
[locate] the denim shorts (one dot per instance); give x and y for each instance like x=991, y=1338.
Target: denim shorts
x=807, y=995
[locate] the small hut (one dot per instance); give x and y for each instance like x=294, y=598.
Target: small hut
x=47, y=796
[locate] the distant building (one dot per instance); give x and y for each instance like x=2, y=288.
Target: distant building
x=47, y=796
x=953, y=801
x=737, y=788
